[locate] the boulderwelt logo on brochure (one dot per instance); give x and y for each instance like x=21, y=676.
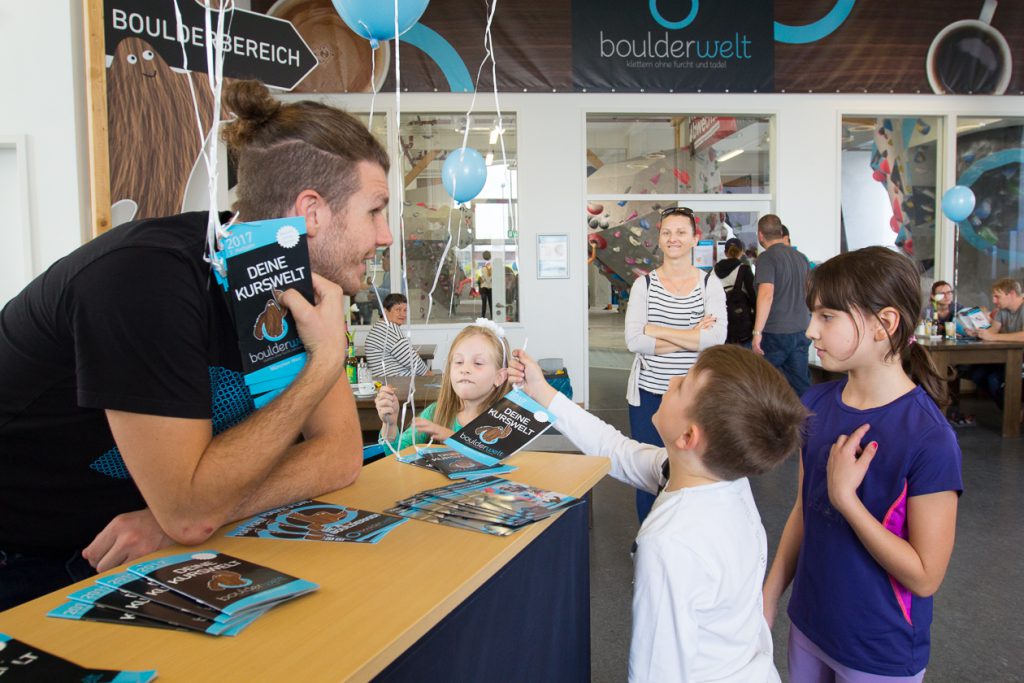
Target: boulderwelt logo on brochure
x=663, y=46
x=505, y=427
x=263, y=259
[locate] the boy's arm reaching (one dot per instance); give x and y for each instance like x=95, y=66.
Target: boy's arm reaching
x=633, y=462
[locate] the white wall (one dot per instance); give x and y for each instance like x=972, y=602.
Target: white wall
x=42, y=73
x=868, y=210
x=47, y=72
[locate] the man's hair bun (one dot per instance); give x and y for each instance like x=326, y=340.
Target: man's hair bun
x=253, y=106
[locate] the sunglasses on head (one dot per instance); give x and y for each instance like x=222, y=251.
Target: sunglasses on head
x=674, y=210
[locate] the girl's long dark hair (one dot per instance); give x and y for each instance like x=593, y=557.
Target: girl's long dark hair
x=869, y=280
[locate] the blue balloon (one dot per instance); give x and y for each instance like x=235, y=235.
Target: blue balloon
x=464, y=174
x=375, y=19
x=958, y=203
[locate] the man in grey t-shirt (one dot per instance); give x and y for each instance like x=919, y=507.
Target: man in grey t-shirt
x=1007, y=325
x=782, y=315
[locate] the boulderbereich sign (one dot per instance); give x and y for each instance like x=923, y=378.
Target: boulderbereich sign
x=255, y=45
x=722, y=46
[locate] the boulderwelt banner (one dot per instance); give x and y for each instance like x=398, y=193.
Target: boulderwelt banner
x=724, y=46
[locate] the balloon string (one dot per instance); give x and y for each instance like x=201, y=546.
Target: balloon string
x=373, y=85
x=489, y=45
x=455, y=268
x=409, y=404
x=209, y=144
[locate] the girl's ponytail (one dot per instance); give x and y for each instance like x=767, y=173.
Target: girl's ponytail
x=920, y=366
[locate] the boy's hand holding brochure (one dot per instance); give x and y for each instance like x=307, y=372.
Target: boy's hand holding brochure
x=524, y=372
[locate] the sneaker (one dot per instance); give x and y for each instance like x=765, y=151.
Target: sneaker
x=962, y=421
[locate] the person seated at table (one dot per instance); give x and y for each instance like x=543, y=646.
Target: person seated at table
x=940, y=307
x=388, y=351
x=475, y=376
x=125, y=421
x=698, y=613
x=1007, y=325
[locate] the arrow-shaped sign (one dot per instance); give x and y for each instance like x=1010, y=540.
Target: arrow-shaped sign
x=257, y=46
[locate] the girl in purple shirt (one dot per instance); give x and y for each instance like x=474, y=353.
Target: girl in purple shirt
x=870, y=536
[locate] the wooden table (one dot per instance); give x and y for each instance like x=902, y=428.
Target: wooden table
x=949, y=354
x=374, y=601
x=427, y=391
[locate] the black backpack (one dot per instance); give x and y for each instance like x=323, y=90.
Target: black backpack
x=740, y=311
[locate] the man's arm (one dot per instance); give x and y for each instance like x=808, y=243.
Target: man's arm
x=195, y=482
x=765, y=295
x=994, y=333
x=307, y=470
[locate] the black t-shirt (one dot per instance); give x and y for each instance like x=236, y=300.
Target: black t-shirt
x=131, y=321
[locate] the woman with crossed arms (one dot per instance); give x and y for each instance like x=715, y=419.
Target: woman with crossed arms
x=674, y=313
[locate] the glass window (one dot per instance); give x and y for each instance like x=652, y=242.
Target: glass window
x=452, y=286
x=890, y=168
x=711, y=163
x=677, y=154
x=624, y=238
x=990, y=244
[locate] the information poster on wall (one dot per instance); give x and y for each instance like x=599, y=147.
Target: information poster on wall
x=704, y=254
x=552, y=257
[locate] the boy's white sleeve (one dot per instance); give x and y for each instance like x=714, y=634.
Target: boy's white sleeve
x=637, y=464
x=668, y=584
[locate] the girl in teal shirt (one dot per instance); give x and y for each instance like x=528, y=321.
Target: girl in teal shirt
x=475, y=376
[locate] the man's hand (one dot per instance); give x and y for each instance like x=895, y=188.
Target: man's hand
x=755, y=345
x=321, y=326
x=127, y=537
x=986, y=335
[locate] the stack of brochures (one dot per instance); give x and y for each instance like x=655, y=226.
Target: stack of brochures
x=264, y=258
x=21, y=663
x=315, y=520
x=491, y=505
x=204, y=591
x=478, y=449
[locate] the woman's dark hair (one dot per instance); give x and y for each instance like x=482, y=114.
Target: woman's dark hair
x=283, y=148
x=869, y=280
x=393, y=299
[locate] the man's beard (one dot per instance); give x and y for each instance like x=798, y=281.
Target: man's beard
x=332, y=261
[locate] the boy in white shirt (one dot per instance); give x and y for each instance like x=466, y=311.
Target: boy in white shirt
x=701, y=553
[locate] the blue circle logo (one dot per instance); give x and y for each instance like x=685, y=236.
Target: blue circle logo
x=675, y=25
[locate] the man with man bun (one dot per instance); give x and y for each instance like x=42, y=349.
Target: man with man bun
x=124, y=420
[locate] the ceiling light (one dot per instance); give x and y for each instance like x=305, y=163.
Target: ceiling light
x=729, y=155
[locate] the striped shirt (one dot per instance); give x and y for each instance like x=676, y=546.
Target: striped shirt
x=668, y=310
x=388, y=352
x=638, y=314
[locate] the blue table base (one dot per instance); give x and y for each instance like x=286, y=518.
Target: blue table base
x=529, y=622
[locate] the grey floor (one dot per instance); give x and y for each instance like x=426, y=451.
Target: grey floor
x=977, y=633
